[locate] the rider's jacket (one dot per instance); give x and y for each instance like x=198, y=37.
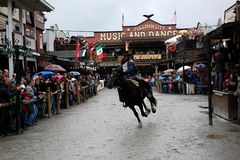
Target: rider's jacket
x=128, y=67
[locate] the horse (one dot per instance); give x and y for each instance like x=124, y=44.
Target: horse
x=131, y=93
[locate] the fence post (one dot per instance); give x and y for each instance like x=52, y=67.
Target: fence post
x=78, y=93
x=67, y=93
x=58, y=99
x=84, y=93
x=49, y=102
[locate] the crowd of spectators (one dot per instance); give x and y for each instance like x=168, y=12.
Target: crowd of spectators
x=23, y=104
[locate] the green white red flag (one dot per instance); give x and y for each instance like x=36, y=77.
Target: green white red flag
x=98, y=50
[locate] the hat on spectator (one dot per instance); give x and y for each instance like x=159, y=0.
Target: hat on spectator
x=13, y=81
x=73, y=79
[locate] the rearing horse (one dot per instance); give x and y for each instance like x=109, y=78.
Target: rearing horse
x=131, y=93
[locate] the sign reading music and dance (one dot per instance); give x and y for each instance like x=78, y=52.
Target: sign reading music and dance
x=147, y=29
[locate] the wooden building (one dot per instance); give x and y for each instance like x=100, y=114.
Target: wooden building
x=144, y=40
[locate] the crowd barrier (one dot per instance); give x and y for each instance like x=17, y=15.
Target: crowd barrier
x=82, y=94
x=180, y=87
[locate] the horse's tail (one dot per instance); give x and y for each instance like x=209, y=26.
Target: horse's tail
x=153, y=101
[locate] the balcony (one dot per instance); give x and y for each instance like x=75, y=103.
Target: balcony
x=64, y=47
x=189, y=45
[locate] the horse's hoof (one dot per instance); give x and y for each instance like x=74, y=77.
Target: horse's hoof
x=139, y=125
x=148, y=110
x=144, y=114
x=153, y=110
x=147, y=113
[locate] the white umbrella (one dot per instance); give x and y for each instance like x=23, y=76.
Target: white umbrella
x=180, y=70
x=168, y=70
x=172, y=40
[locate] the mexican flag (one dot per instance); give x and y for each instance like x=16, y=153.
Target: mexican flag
x=98, y=50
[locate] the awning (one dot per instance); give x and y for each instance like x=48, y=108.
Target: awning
x=225, y=31
x=172, y=40
x=66, y=53
x=29, y=5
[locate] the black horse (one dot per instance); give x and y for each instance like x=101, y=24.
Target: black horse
x=131, y=92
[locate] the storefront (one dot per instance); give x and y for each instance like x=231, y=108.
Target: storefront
x=225, y=63
x=145, y=41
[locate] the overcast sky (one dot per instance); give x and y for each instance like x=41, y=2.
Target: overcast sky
x=106, y=15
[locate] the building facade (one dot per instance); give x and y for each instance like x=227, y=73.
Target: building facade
x=146, y=41
x=21, y=29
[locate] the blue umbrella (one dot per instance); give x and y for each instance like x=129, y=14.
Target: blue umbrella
x=74, y=73
x=45, y=74
x=201, y=66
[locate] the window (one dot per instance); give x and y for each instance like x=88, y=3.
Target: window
x=40, y=41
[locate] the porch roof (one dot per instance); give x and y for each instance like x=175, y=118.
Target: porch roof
x=30, y=5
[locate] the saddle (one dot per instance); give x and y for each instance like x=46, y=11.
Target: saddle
x=134, y=82
x=143, y=85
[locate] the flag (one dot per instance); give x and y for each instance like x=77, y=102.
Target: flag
x=175, y=17
x=83, y=53
x=77, y=51
x=122, y=19
x=98, y=50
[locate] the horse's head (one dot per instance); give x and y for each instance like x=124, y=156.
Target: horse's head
x=115, y=77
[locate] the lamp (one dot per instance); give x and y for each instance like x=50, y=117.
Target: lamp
x=7, y=47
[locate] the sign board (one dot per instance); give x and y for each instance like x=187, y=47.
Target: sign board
x=147, y=57
x=147, y=29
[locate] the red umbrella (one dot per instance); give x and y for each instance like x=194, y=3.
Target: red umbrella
x=54, y=68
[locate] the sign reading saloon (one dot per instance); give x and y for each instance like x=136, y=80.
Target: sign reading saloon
x=147, y=29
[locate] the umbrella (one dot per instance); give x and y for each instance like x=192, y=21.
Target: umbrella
x=59, y=76
x=74, y=73
x=201, y=66
x=45, y=74
x=168, y=70
x=166, y=74
x=180, y=70
x=183, y=32
x=55, y=68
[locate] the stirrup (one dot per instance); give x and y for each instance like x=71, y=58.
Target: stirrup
x=124, y=105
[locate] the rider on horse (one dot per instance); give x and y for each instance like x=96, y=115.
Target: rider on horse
x=129, y=70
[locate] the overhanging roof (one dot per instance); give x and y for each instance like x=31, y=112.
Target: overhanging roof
x=65, y=54
x=224, y=31
x=29, y=5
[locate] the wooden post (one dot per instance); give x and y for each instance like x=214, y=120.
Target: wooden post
x=78, y=93
x=84, y=93
x=49, y=102
x=210, y=107
x=58, y=99
x=67, y=94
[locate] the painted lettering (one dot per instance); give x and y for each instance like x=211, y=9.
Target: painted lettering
x=131, y=34
x=175, y=33
x=143, y=34
x=151, y=33
x=109, y=36
x=169, y=33
x=115, y=36
x=102, y=37
x=136, y=34
x=163, y=33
